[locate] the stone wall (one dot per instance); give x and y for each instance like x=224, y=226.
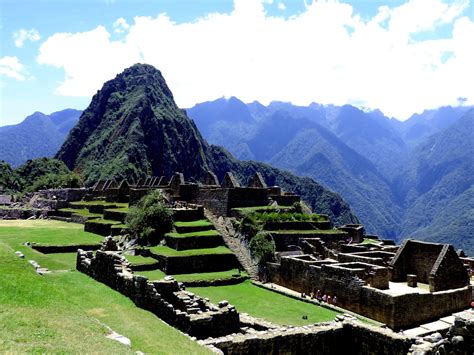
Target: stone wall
x=166, y=299
x=196, y=242
x=174, y=265
x=215, y=200
x=20, y=213
x=324, y=339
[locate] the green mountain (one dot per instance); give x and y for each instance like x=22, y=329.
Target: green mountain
x=438, y=186
x=133, y=128
x=39, y=135
x=402, y=179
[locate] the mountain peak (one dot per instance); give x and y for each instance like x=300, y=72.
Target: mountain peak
x=133, y=128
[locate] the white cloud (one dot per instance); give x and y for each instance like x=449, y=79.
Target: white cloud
x=121, y=25
x=12, y=68
x=21, y=36
x=281, y=6
x=326, y=54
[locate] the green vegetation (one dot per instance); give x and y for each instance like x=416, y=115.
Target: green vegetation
x=203, y=276
x=262, y=303
x=140, y=260
x=150, y=219
x=198, y=223
x=38, y=174
x=370, y=241
x=106, y=221
x=84, y=212
x=209, y=233
x=166, y=251
x=56, y=313
x=262, y=247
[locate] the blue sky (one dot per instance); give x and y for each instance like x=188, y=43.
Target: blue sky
x=399, y=56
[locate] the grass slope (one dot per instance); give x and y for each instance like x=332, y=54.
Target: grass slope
x=261, y=303
x=65, y=312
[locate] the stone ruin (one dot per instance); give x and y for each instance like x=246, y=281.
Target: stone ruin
x=420, y=283
x=220, y=198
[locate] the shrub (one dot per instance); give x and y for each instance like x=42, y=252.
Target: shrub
x=250, y=226
x=262, y=247
x=150, y=219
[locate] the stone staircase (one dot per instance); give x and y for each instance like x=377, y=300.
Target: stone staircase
x=234, y=242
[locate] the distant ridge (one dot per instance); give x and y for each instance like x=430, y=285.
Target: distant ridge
x=39, y=135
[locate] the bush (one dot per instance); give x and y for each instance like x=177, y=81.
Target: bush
x=150, y=219
x=262, y=247
x=250, y=226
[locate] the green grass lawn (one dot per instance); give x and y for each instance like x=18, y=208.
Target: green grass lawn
x=65, y=312
x=266, y=304
x=46, y=232
x=140, y=260
x=167, y=251
x=209, y=233
x=158, y=275
x=370, y=241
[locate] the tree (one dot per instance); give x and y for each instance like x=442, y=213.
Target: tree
x=150, y=219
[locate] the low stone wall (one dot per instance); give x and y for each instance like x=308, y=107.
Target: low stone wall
x=97, y=228
x=49, y=249
x=197, y=242
x=215, y=200
x=20, y=213
x=115, y=215
x=166, y=299
x=174, y=265
x=325, y=339
x=188, y=214
x=296, y=225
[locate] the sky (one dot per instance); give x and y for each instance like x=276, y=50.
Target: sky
x=399, y=56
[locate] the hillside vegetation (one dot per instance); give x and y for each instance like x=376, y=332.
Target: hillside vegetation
x=402, y=179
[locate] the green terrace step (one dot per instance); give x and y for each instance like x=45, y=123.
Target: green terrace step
x=194, y=240
x=116, y=214
x=100, y=226
x=142, y=263
x=189, y=261
x=219, y=278
x=96, y=206
x=84, y=212
x=193, y=226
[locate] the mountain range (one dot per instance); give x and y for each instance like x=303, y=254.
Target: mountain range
x=38, y=135
x=402, y=178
